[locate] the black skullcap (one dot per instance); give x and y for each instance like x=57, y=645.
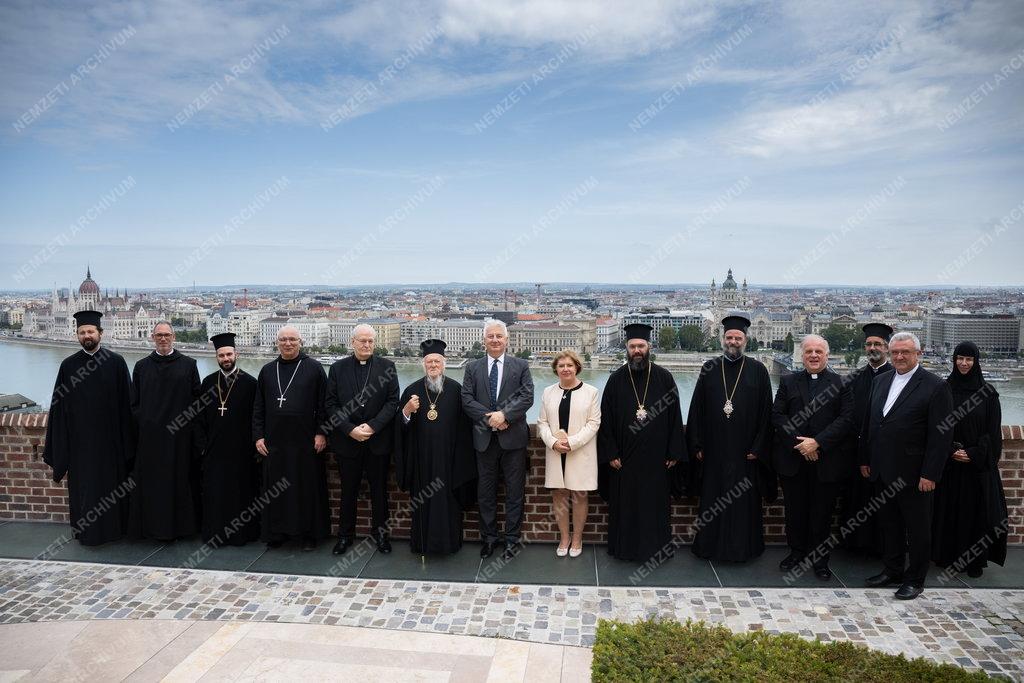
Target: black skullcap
x=430, y=346
x=877, y=330
x=87, y=318
x=638, y=331
x=736, y=321
x=223, y=339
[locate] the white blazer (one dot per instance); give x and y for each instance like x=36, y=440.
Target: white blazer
x=584, y=420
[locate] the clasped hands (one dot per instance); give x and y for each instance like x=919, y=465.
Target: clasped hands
x=496, y=420
x=808, y=448
x=362, y=432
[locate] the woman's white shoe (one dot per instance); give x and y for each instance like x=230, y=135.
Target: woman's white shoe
x=562, y=552
x=575, y=552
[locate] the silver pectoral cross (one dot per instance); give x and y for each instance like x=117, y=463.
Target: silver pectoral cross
x=280, y=400
x=222, y=410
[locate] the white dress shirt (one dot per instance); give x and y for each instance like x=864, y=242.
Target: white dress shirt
x=898, y=384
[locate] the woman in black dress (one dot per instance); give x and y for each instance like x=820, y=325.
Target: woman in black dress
x=970, y=521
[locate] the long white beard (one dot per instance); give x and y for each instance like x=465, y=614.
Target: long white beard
x=435, y=385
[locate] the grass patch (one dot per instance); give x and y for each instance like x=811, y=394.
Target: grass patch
x=660, y=650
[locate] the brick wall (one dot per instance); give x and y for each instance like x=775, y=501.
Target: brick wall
x=28, y=493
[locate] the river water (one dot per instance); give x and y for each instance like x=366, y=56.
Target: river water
x=30, y=370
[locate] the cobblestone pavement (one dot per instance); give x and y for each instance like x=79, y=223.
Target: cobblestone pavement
x=976, y=628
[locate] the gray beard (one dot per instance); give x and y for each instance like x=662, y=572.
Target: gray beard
x=732, y=353
x=435, y=385
x=876, y=357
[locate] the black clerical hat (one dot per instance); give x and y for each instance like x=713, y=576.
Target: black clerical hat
x=877, y=330
x=87, y=318
x=223, y=339
x=430, y=346
x=638, y=331
x=736, y=321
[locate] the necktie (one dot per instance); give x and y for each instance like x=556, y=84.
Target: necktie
x=492, y=383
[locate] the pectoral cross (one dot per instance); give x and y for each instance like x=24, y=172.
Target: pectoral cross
x=280, y=400
x=222, y=409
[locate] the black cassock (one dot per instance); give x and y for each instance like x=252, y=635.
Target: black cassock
x=970, y=519
x=90, y=438
x=230, y=469
x=730, y=521
x=865, y=534
x=294, y=474
x=639, y=494
x=165, y=402
x=435, y=462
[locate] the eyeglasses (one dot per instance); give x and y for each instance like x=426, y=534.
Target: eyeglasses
x=162, y=335
x=910, y=352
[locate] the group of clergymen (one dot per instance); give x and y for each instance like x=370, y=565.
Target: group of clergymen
x=163, y=454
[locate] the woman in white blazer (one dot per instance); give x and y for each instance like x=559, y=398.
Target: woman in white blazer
x=570, y=414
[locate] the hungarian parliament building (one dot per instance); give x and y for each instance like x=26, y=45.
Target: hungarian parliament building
x=123, y=317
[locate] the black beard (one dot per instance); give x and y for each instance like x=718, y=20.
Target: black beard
x=89, y=344
x=640, y=363
x=227, y=368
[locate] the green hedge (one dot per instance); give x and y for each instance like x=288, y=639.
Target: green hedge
x=669, y=651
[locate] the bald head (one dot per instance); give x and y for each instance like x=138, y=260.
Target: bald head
x=289, y=341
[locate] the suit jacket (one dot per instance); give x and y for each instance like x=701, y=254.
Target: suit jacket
x=344, y=411
x=914, y=439
x=829, y=419
x=515, y=396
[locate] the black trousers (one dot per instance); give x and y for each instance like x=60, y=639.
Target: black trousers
x=512, y=464
x=809, y=507
x=906, y=520
x=351, y=468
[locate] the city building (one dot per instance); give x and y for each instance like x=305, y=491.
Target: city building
x=997, y=335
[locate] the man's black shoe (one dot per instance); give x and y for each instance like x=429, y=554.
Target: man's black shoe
x=384, y=545
x=823, y=573
x=341, y=546
x=277, y=543
x=975, y=572
x=511, y=550
x=908, y=591
x=883, y=579
x=488, y=549
x=308, y=544
x=791, y=560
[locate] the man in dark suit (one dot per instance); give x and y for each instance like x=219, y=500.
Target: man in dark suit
x=362, y=399
x=497, y=390
x=813, y=416
x=904, y=444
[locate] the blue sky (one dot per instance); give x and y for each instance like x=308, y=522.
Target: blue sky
x=374, y=142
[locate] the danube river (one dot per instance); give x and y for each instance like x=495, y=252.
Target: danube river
x=30, y=370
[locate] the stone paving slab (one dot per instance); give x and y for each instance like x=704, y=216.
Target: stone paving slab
x=973, y=628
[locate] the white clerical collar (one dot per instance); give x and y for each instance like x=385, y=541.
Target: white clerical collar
x=813, y=375
x=93, y=353
x=909, y=372
x=875, y=368
x=228, y=374
x=164, y=354
x=732, y=360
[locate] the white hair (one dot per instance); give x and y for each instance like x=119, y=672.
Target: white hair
x=363, y=328
x=291, y=328
x=814, y=338
x=906, y=336
x=494, y=322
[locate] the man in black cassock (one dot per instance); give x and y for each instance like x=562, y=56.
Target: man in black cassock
x=230, y=470
x=729, y=437
x=165, y=399
x=864, y=531
x=435, y=461
x=289, y=427
x=640, y=441
x=362, y=399
x=90, y=435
